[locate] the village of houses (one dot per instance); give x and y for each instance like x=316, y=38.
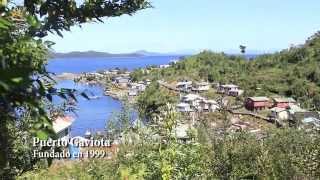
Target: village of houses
x=251, y=114
x=276, y=110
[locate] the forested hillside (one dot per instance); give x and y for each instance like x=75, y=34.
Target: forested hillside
x=293, y=72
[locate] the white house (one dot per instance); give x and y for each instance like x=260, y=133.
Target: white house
x=310, y=123
x=62, y=126
x=225, y=89
x=201, y=86
x=133, y=85
x=164, y=66
x=133, y=92
x=192, y=99
x=184, y=107
x=208, y=105
x=141, y=87
x=184, y=86
x=135, y=88
x=147, y=82
x=235, y=92
x=114, y=71
x=122, y=81
x=281, y=114
x=181, y=132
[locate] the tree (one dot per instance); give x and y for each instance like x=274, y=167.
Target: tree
x=25, y=84
x=152, y=100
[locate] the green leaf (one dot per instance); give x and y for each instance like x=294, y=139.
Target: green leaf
x=17, y=79
x=42, y=135
x=4, y=85
x=4, y=24
x=3, y=3
x=32, y=21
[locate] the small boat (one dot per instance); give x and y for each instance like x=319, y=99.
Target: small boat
x=87, y=134
x=94, y=97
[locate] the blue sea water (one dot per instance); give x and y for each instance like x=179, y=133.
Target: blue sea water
x=90, y=114
x=78, y=65
x=93, y=114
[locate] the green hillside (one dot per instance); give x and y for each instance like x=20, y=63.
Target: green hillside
x=292, y=72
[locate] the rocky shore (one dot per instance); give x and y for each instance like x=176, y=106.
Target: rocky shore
x=66, y=76
x=112, y=90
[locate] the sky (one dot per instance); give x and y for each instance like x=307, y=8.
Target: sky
x=194, y=25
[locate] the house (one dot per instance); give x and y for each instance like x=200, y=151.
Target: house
x=106, y=72
x=310, y=123
x=256, y=103
x=192, y=99
x=122, y=81
x=184, y=107
x=62, y=126
x=174, y=61
x=235, y=92
x=126, y=74
x=133, y=85
x=114, y=71
x=297, y=118
x=147, y=82
x=184, y=86
x=280, y=114
x=225, y=89
x=208, y=105
x=239, y=126
x=201, y=86
x=133, y=92
x=181, y=132
x=141, y=87
x=283, y=102
x=162, y=66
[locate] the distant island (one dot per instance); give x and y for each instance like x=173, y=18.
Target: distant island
x=140, y=53
x=76, y=54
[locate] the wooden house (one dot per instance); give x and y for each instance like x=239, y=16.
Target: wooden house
x=283, y=102
x=257, y=103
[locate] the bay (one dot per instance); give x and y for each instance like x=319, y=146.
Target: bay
x=93, y=114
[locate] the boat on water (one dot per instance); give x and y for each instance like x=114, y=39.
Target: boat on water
x=94, y=97
x=87, y=134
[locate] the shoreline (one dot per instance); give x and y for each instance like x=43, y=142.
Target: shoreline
x=111, y=91
x=66, y=76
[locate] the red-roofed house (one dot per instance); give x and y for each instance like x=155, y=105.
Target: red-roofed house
x=283, y=102
x=62, y=126
x=256, y=103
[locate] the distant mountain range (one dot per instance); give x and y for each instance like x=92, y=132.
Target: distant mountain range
x=140, y=53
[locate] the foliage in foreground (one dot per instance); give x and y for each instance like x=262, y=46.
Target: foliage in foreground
x=26, y=87
x=281, y=154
